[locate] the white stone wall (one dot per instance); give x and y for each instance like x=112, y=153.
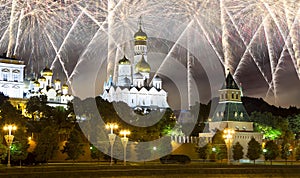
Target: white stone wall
x=134, y=97
x=11, y=79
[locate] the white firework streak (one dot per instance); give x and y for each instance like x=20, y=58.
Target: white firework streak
x=293, y=32
x=19, y=31
x=271, y=57
x=280, y=60
x=225, y=38
x=286, y=38
x=62, y=45
x=101, y=28
x=10, y=26
x=111, y=41
x=221, y=59
x=248, y=50
x=173, y=47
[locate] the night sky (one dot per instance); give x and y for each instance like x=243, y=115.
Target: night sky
x=257, y=41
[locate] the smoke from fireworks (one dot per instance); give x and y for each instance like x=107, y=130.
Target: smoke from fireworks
x=257, y=37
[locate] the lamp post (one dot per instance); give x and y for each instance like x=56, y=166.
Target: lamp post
x=124, y=142
x=228, y=135
x=112, y=138
x=9, y=139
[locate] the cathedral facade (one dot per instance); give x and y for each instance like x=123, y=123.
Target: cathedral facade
x=134, y=86
x=11, y=77
x=18, y=89
x=57, y=93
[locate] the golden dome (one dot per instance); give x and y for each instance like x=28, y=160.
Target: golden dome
x=65, y=86
x=124, y=61
x=42, y=79
x=140, y=35
x=143, y=66
x=37, y=84
x=47, y=72
x=56, y=81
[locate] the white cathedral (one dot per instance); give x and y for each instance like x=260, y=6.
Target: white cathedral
x=57, y=94
x=133, y=85
x=18, y=89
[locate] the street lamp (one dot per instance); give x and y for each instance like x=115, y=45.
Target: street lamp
x=124, y=142
x=9, y=139
x=228, y=135
x=112, y=138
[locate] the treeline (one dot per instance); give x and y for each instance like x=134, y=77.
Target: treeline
x=47, y=127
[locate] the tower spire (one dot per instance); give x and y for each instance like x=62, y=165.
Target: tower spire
x=140, y=22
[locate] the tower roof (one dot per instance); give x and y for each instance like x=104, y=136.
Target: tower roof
x=140, y=35
x=47, y=72
x=143, y=66
x=230, y=111
x=124, y=61
x=157, y=78
x=230, y=83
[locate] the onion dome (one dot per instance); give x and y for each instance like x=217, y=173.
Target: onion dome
x=65, y=86
x=138, y=76
x=42, y=79
x=157, y=78
x=57, y=81
x=124, y=61
x=142, y=66
x=32, y=81
x=36, y=84
x=47, y=72
x=140, y=35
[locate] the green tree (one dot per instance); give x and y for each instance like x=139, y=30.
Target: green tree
x=219, y=144
x=272, y=151
x=143, y=151
x=204, y=151
x=287, y=138
x=237, y=151
x=297, y=153
x=96, y=153
x=285, y=151
x=74, y=145
x=164, y=146
x=254, y=150
x=19, y=146
x=294, y=124
x=47, y=144
x=3, y=150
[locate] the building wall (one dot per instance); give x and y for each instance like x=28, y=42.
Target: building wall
x=11, y=78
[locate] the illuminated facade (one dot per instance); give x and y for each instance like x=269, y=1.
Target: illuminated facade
x=57, y=94
x=13, y=85
x=231, y=114
x=11, y=77
x=133, y=84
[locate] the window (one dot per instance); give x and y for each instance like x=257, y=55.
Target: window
x=15, y=77
x=232, y=95
x=5, y=76
x=236, y=96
